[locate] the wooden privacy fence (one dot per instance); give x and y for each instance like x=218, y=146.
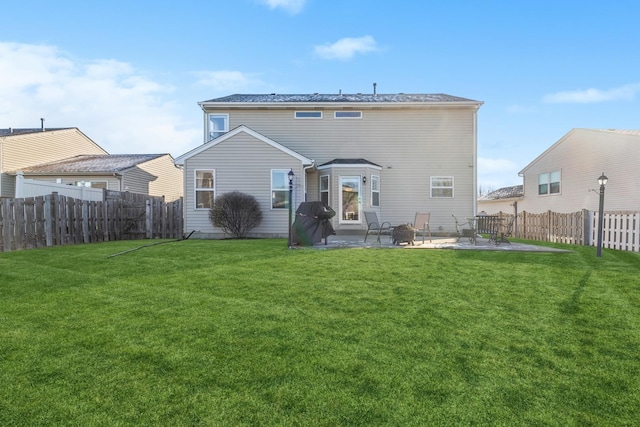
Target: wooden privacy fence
x=54, y=220
x=621, y=230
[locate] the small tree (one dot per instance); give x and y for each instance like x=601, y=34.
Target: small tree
x=236, y=213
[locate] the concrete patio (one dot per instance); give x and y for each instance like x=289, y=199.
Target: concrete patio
x=357, y=241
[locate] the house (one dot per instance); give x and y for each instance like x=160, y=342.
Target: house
x=564, y=177
x=504, y=199
x=68, y=156
x=394, y=154
x=20, y=148
x=153, y=174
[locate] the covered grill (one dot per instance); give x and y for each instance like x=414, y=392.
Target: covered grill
x=312, y=223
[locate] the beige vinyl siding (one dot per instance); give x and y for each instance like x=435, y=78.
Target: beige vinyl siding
x=411, y=144
x=168, y=182
x=582, y=156
x=20, y=151
x=242, y=163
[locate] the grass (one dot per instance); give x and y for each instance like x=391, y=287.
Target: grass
x=250, y=333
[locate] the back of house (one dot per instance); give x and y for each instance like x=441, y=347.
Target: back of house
x=395, y=154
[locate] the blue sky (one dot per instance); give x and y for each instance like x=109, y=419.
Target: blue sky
x=129, y=74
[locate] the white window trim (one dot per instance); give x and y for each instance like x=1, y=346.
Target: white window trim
x=431, y=187
x=357, y=178
x=295, y=115
x=286, y=197
x=226, y=124
x=328, y=190
x=335, y=115
x=196, y=189
x=375, y=178
x=548, y=176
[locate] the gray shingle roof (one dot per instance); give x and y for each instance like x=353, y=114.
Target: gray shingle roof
x=504, y=193
x=320, y=98
x=108, y=163
x=23, y=131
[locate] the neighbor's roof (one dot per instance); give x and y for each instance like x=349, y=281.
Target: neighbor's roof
x=92, y=163
x=23, y=131
x=341, y=98
x=504, y=193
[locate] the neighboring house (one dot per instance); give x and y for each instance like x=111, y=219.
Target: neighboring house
x=68, y=156
x=20, y=148
x=153, y=174
x=564, y=177
x=504, y=199
x=392, y=154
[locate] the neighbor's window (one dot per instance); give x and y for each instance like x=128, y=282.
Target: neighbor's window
x=347, y=115
x=279, y=189
x=375, y=190
x=549, y=183
x=204, y=188
x=324, y=189
x=218, y=125
x=441, y=186
x=308, y=114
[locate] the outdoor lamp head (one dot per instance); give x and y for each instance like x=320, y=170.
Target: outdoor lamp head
x=603, y=179
x=290, y=175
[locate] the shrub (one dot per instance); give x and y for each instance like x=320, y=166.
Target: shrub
x=236, y=213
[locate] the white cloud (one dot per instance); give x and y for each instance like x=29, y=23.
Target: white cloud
x=626, y=92
x=228, y=81
x=110, y=101
x=347, y=47
x=291, y=6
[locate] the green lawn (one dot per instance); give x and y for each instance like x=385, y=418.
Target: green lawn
x=251, y=333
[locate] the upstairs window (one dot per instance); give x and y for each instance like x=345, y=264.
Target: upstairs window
x=218, y=125
x=204, y=188
x=442, y=187
x=549, y=183
x=347, y=115
x=375, y=191
x=308, y=114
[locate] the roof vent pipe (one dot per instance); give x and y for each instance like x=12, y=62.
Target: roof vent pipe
x=374, y=88
x=42, y=124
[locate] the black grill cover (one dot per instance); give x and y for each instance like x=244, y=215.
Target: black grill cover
x=312, y=223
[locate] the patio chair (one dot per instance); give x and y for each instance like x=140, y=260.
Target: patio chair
x=469, y=232
x=373, y=224
x=422, y=223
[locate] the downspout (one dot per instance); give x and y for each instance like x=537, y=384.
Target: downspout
x=475, y=162
x=305, y=169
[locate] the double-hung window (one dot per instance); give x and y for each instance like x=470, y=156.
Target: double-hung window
x=279, y=189
x=549, y=183
x=442, y=187
x=324, y=189
x=204, y=188
x=375, y=191
x=218, y=125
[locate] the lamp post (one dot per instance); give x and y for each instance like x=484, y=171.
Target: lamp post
x=290, y=175
x=602, y=181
